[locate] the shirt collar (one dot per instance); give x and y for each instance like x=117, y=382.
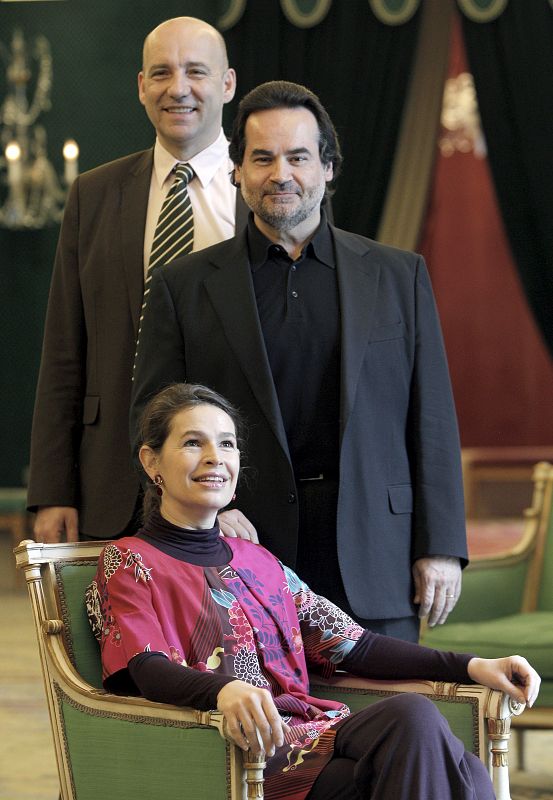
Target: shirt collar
x=320, y=246
x=205, y=163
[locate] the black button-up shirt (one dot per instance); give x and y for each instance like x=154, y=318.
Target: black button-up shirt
x=299, y=311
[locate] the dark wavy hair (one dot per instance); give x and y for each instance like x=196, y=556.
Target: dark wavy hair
x=155, y=423
x=283, y=94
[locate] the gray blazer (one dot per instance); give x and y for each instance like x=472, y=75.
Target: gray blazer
x=400, y=493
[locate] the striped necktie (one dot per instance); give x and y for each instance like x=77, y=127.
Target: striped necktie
x=174, y=233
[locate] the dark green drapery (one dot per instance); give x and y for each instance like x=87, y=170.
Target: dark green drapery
x=360, y=69
x=512, y=62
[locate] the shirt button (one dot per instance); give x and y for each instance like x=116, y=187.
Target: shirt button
x=294, y=294
x=291, y=497
x=293, y=267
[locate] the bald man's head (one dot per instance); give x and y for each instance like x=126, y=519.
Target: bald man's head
x=191, y=25
x=184, y=83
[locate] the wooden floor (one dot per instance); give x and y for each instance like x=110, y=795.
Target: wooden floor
x=27, y=766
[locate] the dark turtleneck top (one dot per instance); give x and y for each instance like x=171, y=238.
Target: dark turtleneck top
x=203, y=547
x=154, y=676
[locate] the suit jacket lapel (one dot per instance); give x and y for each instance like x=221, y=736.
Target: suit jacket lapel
x=358, y=279
x=134, y=205
x=231, y=291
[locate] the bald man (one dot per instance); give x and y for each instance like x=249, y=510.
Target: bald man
x=82, y=484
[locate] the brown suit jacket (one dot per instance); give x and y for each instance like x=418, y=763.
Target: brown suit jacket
x=80, y=443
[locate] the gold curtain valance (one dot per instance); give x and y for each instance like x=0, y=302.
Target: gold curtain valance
x=482, y=10
x=308, y=13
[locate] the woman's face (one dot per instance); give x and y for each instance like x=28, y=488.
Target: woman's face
x=199, y=463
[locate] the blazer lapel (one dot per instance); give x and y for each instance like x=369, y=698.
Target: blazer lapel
x=240, y=321
x=358, y=279
x=134, y=205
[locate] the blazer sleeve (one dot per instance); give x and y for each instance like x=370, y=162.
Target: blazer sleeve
x=59, y=397
x=160, y=358
x=439, y=514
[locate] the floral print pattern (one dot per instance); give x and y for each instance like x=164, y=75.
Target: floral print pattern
x=253, y=619
x=141, y=572
x=241, y=627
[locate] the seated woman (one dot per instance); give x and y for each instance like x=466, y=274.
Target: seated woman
x=185, y=616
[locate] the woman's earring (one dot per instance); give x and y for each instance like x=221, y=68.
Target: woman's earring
x=158, y=481
x=233, y=497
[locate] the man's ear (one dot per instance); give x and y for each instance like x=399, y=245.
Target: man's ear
x=149, y=461
x=141, y=95
x=229, y=85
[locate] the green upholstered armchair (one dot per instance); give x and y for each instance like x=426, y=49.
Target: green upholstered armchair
x=129, y=747
x=506, y=605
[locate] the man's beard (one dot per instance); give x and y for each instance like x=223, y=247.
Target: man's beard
x=281, y=216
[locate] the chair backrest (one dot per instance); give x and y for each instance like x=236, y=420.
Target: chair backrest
x=57, y=576
x=160, y=750
x=539, y=586
x=72, y=578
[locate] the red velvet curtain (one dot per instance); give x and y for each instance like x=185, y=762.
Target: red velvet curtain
x=502, y=374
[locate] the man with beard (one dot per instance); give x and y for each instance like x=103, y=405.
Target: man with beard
x=330, y=345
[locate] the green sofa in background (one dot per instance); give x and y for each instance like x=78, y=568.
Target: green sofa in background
x=506, y=604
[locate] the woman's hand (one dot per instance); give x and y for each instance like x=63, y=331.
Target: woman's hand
x=512, y=675
x=252, y=717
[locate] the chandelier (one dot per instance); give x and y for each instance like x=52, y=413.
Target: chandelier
x=33, y=196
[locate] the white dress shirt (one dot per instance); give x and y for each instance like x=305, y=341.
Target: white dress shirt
x=211, y=193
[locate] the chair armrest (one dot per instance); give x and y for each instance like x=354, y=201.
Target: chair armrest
x=75, y=704
x=479, y=716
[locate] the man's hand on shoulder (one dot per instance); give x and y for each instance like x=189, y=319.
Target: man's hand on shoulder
x=53, y=523
x=235, y=525
x=437, y=586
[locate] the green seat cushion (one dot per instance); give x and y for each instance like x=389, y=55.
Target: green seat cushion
x=529, y=635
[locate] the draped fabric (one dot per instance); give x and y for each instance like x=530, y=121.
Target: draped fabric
x=501, y=371
x=360, y=69
x=511, y=59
